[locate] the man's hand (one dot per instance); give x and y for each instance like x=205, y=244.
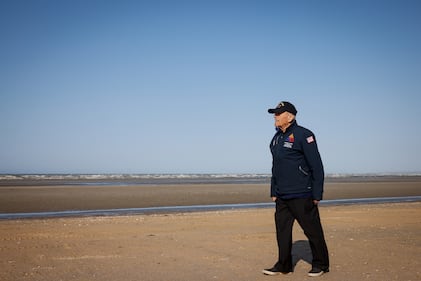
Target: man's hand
x=273, y=199
x=315, y=202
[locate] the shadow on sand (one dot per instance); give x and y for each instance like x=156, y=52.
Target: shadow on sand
x=301, y=251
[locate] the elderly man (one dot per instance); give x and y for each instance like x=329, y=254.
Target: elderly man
x=296, y=187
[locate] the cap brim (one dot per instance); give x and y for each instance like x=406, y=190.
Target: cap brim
x=276, y=110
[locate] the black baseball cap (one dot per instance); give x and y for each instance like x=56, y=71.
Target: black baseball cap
x=282, y=107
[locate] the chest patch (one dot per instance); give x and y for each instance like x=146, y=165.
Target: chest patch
x=289, y=141
x=288, y=144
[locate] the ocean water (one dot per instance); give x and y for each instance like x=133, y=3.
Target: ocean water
x=158, y=179
x=129, y=179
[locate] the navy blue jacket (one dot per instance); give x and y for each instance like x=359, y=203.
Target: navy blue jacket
x=297, y=167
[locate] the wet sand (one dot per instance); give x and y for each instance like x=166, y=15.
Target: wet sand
x=366, y=242
x=35, y=198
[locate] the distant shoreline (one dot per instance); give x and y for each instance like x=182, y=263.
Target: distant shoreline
x=165, y=179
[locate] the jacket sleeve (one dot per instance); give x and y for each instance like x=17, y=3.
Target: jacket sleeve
x=272, y=187
x=272, y=179
x=314, y=161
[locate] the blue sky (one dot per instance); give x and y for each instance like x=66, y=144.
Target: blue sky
x=178, y=86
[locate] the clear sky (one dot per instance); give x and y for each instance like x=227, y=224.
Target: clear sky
x=174, y=86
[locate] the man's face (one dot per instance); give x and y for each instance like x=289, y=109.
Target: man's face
x=283, y=119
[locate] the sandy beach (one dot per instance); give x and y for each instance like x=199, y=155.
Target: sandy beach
x=366, y=242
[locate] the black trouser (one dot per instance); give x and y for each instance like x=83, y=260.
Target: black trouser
x=307, y=215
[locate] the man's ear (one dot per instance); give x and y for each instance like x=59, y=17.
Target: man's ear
x=291, y=117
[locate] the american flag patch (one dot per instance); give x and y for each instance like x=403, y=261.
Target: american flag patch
x=310, y=139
